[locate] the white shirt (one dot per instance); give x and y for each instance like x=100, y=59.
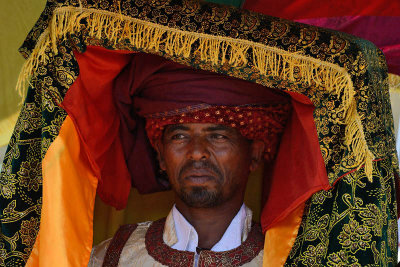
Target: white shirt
x=187, y=238
x=135, y=252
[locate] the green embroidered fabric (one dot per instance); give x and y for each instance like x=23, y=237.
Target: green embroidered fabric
x=352, y=224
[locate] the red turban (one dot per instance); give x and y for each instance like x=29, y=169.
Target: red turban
x=152, y=85
x=253, y=122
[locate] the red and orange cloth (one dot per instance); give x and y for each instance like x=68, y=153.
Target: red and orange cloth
x=106, y=118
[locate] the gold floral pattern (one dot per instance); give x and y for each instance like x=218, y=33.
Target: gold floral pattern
x=30, y=174
x=373, y=218
x=392, y=235
x=28, y=231
x=3, y=254
x=320, y=196
x=7, y=183
x=355, y=236
x=342, y=259
x=355, y=226
x=313, y=255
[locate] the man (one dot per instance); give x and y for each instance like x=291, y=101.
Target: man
x=207, y=154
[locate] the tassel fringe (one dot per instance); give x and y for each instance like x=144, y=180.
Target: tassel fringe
x=218, y=50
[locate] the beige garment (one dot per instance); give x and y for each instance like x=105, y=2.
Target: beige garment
x=135, y=253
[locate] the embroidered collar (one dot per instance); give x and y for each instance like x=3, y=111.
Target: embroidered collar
x=161, y=252
x=181, y=235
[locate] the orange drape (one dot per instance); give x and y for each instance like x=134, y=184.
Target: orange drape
x=69, y=190
x=280, y=238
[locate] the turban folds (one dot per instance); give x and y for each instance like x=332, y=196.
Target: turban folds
x=152, y=86
x=120, y=101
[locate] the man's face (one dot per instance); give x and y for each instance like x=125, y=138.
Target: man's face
x=207, y=164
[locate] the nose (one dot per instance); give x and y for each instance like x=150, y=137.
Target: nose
x=198, y=149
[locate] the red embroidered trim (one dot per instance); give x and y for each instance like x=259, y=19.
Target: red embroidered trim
x=163, y=253
x=166, y=255
x=118, y=242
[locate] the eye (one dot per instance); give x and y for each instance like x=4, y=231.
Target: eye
x=219, y=137
x=178, y=136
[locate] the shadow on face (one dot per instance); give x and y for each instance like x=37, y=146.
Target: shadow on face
x=207, y=164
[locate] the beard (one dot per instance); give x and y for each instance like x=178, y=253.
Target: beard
x=201, y=197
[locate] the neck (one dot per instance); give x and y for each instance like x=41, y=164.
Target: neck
x=210, y=223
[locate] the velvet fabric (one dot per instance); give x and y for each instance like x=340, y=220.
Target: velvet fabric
x=384, y=32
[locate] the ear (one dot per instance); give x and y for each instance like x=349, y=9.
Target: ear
x=159, y=149
x=257, y=154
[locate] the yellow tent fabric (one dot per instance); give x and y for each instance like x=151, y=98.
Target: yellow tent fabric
x=17, y=19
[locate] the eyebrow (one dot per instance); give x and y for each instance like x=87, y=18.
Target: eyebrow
x=180, y=127
x=176, y=127
x=219, y=127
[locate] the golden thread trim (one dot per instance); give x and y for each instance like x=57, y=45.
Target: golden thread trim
x=218, y=50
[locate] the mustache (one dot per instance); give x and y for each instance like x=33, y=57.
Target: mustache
x=196, y=165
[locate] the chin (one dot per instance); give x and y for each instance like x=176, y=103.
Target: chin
x=200, y=197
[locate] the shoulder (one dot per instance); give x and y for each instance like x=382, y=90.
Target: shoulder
x=126, y=236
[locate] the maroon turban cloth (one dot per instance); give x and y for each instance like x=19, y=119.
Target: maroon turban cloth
x=152, y=85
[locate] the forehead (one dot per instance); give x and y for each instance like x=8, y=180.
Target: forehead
x=199, y=127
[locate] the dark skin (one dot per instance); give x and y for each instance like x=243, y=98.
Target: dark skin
x=208, y=166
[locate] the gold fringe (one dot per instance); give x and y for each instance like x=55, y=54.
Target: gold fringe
x=394, y=82
x=215, y=49
x=356, y=140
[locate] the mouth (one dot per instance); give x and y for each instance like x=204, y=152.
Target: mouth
x=199, y=177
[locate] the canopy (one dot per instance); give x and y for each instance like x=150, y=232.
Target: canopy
x=342, y=79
